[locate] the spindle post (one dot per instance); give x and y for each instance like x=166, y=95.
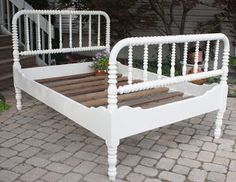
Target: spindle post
x=99, y=29
x=159, y=62
x=49, y=33
x=38, y=32
x=207, y=56
x=70, y=31
x=145, y=63
x=184, y=68
x=216, y=55
x=80, y=30
x=195, y=67
x=130, y=64
x=27, y=33
x=172, y=69
x=60, y=31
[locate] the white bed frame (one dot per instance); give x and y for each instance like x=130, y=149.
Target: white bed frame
x=112, y=123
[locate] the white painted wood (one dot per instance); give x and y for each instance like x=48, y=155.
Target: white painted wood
x=218, y=124
x=38, y=33
x=207, y=56
x=49, y=33
x=145, y=63
x=20, y=30
x=27, y=33
x=37, y=73
x=173, y=56
x=18, y=98
x=130, y=64
x=159, y=62
x=80, y=30
x=216, y=55
x=184, y=68
x=195, y=67
x=60, y=32
x=99, y=30
x=112, y=159
x=108, y=123
x=70, y=31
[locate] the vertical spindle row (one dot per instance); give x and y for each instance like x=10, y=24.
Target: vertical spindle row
x=130, y=64
x=195, y=67
x=159, y=62
x=207, y=56
x=184, y=69
x=216, y=55
x=70, y=31
x=145, y=62
x=172, y=69
x=60, y=31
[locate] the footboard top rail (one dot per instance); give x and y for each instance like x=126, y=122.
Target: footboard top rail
x=209, y=42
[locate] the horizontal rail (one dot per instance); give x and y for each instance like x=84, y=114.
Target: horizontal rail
x=167, y=81
x=62, y=50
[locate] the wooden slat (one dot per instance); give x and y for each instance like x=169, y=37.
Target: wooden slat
x=90, y=89
x=103, y=101
x=89, y=96
x=162, y=102
x=86, y=84
x=150, y=99
x=60, y=83
x=65, y=77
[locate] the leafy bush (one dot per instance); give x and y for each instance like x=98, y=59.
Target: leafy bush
x=232, y=62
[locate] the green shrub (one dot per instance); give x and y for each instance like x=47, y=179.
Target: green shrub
x=232, y=62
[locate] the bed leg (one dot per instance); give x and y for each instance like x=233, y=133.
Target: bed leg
x=112, y=159
x=18, y=99
x=218, y=123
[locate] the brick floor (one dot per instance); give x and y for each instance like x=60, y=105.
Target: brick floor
x=39, y=144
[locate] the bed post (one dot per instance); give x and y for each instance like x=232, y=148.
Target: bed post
x=16, y=59
x=224, y=93
x=112, y=158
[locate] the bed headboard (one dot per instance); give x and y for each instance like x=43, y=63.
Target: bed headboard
x=88, y=23
x=209, y=42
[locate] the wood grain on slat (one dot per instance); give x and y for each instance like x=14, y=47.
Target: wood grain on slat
x=65, y=77
x=86, y=84
x=103, y=101
x=162, y=102
x=90, y=89
x=150, y=99
x=60, y=83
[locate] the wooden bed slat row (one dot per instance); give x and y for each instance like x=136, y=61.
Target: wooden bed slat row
x=91, y=91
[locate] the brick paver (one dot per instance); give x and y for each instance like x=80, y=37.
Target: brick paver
x=39, y=144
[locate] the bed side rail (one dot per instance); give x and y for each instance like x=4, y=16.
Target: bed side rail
x=85, y=23
x=209, y=39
